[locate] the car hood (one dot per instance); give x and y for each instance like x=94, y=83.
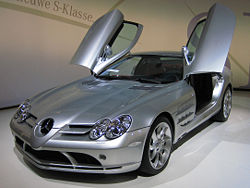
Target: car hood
x=88, y=100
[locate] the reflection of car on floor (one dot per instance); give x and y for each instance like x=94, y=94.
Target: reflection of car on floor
x=129, y=113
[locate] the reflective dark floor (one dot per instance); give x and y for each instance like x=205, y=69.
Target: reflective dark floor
x=213, y=155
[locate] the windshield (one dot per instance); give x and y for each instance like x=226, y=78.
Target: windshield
x=146, y=68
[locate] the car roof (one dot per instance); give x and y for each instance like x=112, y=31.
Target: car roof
x=160, y=53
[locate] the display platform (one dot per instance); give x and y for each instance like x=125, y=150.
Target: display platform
x=214, y=155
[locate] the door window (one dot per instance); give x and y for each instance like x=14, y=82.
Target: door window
x=194, y=39
x=119, y=45
x=126, y=35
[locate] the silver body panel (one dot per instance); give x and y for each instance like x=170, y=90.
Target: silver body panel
x=77, y=106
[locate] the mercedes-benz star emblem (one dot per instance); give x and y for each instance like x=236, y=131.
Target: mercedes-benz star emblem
x=46, y=126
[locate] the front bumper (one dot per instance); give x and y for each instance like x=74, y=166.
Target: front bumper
x=74, y=154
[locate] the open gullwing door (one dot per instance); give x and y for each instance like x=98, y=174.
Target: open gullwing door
x=209, y=43
x=107, y=40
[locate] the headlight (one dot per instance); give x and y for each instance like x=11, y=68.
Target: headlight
x=111, y=129
x=23, y=110
x=99, y=129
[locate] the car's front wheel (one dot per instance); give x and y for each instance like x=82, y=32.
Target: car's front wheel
x=157, y=148
x=226, y=106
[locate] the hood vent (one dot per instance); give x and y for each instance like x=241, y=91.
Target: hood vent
x=75, y=129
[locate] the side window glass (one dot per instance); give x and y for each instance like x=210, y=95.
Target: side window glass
x=120, y=44
x=122, y=40
x=194, y=39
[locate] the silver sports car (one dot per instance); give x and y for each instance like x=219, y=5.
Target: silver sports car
x=132, y=109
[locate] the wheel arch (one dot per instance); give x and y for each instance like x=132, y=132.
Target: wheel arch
x=170, y=118
x=230, y=86
x=143, y=168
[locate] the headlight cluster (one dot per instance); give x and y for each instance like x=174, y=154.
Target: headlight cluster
x=111, y=129
x=23, y=111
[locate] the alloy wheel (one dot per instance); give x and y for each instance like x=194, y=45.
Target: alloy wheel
x=160, y=145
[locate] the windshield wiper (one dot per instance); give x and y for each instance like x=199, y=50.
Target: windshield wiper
x=140, y=79
x=114, y=77
x=105, y=77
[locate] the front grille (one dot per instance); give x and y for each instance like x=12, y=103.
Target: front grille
x=45, y=156
x=19, y=142
x=58, y=159
x=83, y=159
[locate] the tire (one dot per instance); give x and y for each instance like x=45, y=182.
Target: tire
x=158, y=147
x=226, y=106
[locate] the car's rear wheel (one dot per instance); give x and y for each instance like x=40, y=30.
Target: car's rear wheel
x=226, y=106
x=157, y=148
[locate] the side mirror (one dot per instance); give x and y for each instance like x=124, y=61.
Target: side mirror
x=107, y=52
x=188, y=56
